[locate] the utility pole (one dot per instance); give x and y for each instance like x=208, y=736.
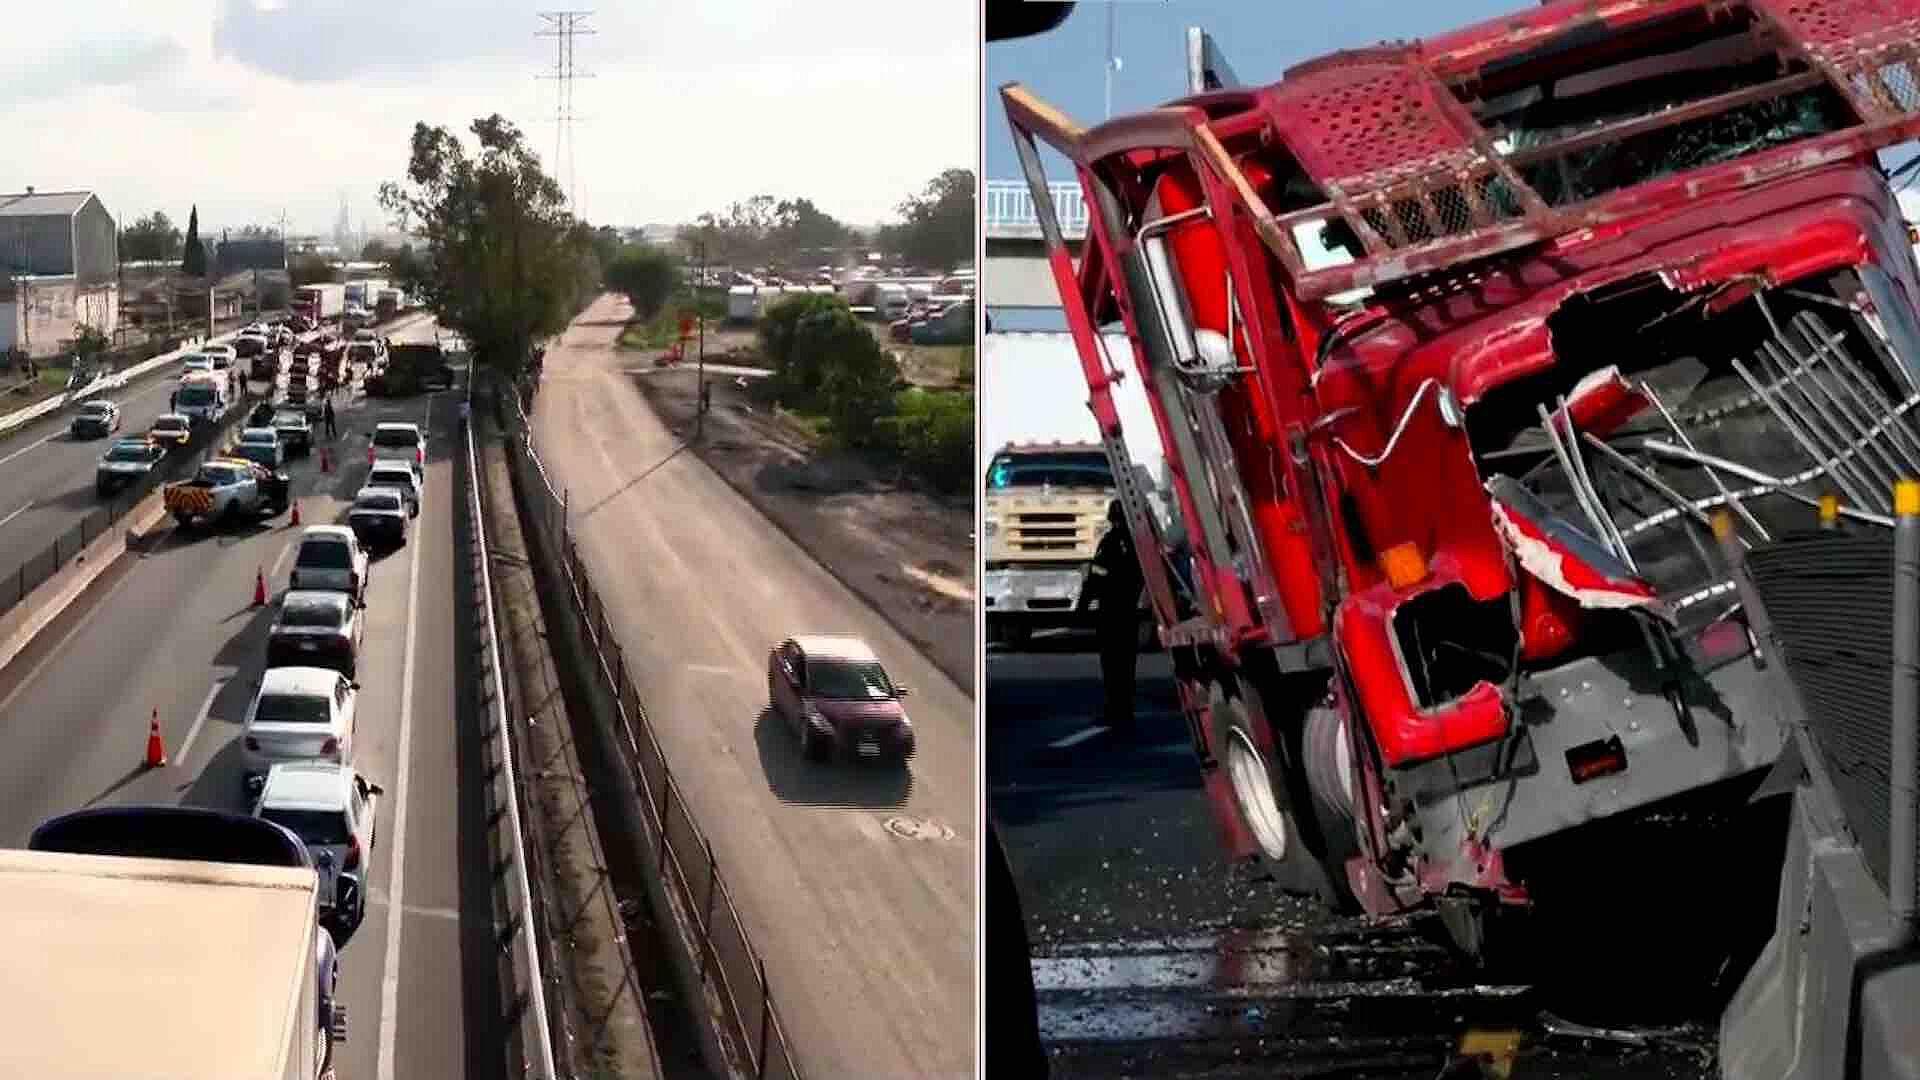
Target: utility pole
x=563, y=26
x=700, y=361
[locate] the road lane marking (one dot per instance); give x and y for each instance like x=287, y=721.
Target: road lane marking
x=199, y=719
x=282, y=560
x=15, y=514
x=34, y=445
x=390, y=976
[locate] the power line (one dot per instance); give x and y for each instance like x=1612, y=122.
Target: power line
x=563, y=27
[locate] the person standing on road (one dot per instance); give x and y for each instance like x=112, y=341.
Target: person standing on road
x=326, y=416
x=1113, y=589
x=173, y=400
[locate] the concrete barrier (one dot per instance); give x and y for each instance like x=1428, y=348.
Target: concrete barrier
x=26, y=620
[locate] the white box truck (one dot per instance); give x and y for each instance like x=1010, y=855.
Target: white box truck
x=321, y=302
x=178, y=964
x=1049, y=479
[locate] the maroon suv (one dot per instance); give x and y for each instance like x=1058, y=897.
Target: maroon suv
x=835, y=695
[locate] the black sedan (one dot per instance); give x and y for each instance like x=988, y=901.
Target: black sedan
x=294, y=429
x=96, y=419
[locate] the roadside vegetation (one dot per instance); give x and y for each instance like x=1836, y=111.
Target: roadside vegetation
x=506, y=265
x=834, y=375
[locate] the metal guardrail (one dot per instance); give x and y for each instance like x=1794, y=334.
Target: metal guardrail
x=530, y=914
x=1008, y=213
x=728, y=961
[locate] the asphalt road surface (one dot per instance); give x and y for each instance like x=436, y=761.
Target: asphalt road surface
x=1153, y=956
x=46, y=475
x=867, y=936
x=173, y=631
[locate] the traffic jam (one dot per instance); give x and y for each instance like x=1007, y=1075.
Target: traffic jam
x=297, y=737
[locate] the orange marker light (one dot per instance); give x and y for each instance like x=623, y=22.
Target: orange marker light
x=1404, y=565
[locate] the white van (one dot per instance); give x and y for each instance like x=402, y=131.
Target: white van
x=203, y=397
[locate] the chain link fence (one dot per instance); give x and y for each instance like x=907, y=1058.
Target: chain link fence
x=680, y=851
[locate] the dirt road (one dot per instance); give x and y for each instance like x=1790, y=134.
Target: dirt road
x=867, y=934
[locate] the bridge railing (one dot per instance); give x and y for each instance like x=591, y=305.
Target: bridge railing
x=1009, y=214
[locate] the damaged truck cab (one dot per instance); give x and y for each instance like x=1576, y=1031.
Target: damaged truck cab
x=1455, y=348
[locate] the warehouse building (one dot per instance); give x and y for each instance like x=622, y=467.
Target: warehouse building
x=59, y=259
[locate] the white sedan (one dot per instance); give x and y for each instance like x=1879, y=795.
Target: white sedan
x=298, y=714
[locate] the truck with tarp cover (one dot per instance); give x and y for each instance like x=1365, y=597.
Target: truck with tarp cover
x=1455, y=348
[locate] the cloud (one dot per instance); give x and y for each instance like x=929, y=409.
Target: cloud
x=335, y=41
x=84, y=63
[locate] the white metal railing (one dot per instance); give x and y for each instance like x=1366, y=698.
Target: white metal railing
x=1009, y=213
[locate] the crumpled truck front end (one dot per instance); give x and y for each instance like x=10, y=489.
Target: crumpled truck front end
x=1542, y=632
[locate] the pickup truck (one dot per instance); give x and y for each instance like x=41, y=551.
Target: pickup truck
x=225, y=489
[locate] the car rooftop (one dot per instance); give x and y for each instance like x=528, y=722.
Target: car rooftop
x=262, y=433
x=325, y=532
x=299, y=681
x=97, y=403
x=170, y=418
x=834, y=647
x=298, y=599
x=396, y=427
x=305, y=785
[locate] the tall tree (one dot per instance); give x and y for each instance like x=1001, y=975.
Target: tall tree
x=194, y=261
x=508, y=265
x=647, y=276
x=150, y=239
x=375, y=251
x=937, y=225
x=804, y=226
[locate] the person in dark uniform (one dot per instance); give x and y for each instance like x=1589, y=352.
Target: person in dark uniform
x=1013, y=1025
x=326, y=416
x=1113, y=591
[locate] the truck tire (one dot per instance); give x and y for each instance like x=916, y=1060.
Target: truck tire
x=1262, y=772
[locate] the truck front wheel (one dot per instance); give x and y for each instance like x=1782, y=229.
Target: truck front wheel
x=1260, y=765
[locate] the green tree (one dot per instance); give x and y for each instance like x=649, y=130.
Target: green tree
x=308, y=269
x=796, y=372
x=87, y=342
x=194, y=261
x=150, y=239
x=825, y=358
x=406, y=267
x=803, y=226
x=937, y=225
x=375, y=251
x=508, y=264
x=647, y=276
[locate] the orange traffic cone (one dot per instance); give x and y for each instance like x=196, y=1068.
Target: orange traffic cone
x=295, y=520
x=260, y=588
x=156, y=750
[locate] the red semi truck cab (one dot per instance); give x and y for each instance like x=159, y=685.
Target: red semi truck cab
x=1456, y=350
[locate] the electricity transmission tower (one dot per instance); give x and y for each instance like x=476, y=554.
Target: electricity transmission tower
x=563, y=27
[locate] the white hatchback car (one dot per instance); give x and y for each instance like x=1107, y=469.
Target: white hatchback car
x=396, y=475
x=297, y=714
x=331, y=808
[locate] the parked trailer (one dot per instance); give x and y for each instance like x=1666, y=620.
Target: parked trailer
x=318, y=303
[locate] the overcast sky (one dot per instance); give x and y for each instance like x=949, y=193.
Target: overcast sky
x=249, y=107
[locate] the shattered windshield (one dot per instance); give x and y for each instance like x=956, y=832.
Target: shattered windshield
x=1712, y=140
